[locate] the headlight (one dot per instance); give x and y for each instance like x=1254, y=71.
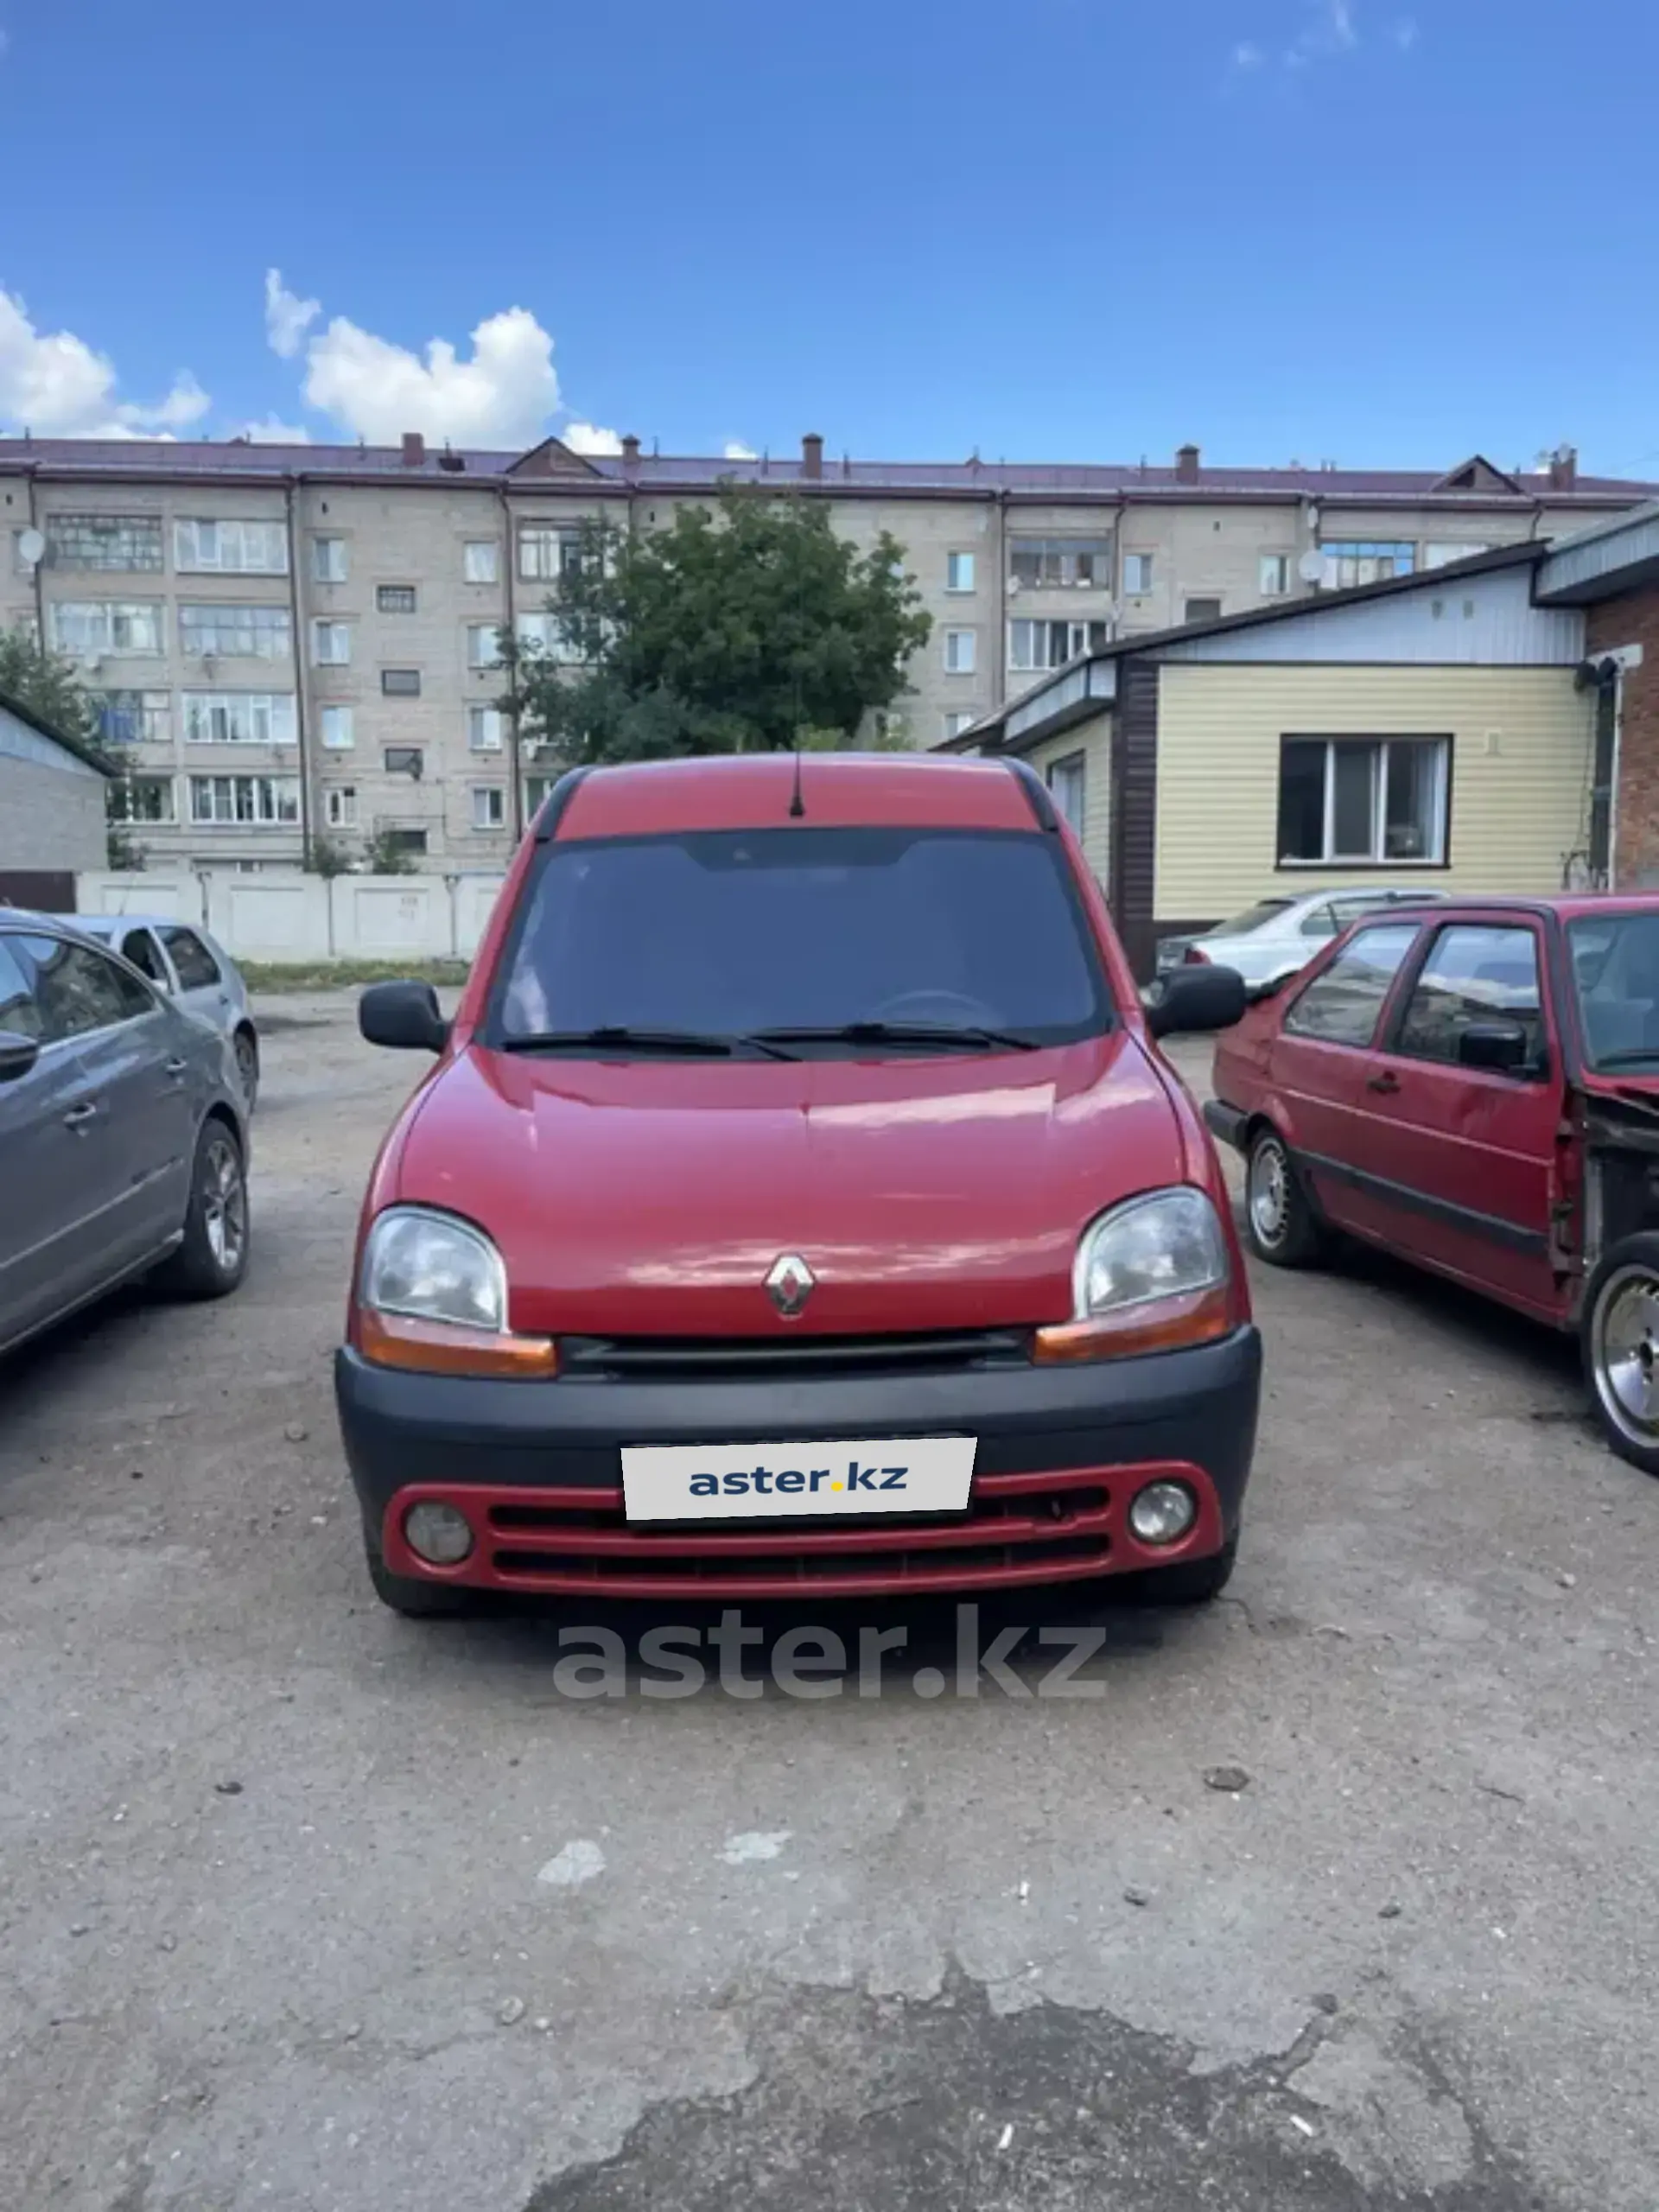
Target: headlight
x=432, y=1267
x=1166, y=1244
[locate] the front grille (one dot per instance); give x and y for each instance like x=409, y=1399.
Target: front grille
x=778, y=1358
x=949, y=1561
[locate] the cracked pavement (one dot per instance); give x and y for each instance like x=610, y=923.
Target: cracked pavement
x=458, y=1940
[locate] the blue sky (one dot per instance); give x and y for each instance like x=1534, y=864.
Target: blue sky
x=1381, y=232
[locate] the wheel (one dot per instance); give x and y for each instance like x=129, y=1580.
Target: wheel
x=213, y=1256
x=414, y=1600
x=1279, y=1224
x=246, y=1047
x=1619, y=1338
x=1191, y=1582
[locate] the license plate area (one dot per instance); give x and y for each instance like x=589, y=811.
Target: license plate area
x=851, y=1478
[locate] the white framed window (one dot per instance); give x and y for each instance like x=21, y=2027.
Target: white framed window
x=958, y=572
x=536, y=789
x=134, y=717
x=338, y=733
x=545, y=634
x=238, y=717
x=1068, y=780
x=233, y=632
x=230, y=548
x=143, y=798
x=396, y=598
x=961, y=651
x=959, y=719
x=1363, y=799
x=328, y=560
x=1273, y=578
x=1137, y=574
x=489, y=806
x=88, y=628
x=340, y=805
x=1075, y=563
x=230, y=800
x=547, y=550
x=331, y=644
x=480, y=561
x=483, y=729
x=1440, y=553
x=104, y=541
x=1034, y=644
x=481, y=647
x=1349, y=561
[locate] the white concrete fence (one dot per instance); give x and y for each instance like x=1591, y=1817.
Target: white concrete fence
x=283, y=914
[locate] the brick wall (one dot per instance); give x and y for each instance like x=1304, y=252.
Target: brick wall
x=1633, y=620
x=50, y=818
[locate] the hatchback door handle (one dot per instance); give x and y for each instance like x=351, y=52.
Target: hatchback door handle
x=176, y=1068
x=1385, y=1083
x=78, y=1116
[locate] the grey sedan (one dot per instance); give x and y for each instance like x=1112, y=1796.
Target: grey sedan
x=123, y=1133
x=192, y=966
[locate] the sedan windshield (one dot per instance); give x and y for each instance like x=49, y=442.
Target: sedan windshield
x=823, y=941
x=1616, y=973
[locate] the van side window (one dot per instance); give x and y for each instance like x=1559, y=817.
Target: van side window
x=1342, y=1005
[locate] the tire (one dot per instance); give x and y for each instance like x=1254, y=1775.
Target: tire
x=245, y=1046
x=1619, y=1339
x=416, y=1600
x=1192, y=1582
x=213, y=1257
x=1279, y=1224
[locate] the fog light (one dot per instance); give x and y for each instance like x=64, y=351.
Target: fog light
x=1163, y=1512
x=441, y=1537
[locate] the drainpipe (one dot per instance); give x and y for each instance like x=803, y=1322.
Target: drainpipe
x=1001, y=698
x=39, y=567
x=301, y=707
x=515, y=756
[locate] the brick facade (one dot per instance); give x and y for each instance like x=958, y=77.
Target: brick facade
x=1632, y=619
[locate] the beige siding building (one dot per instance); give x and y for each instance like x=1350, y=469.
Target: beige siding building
x=293, y=644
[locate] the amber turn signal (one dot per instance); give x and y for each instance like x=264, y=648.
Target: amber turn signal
x=444, y=1348
x=1197, y=1318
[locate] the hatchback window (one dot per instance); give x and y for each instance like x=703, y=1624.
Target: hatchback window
x=18, y=1012
x=77, y=990
x=196, y=966
x=1616, y=971
x=1342, y=1005
x=1253, y=918
x=726, y=934
x=1473, y=973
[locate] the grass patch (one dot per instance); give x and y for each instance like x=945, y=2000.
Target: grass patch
x=347, y=974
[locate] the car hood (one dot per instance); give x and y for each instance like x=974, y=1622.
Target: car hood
x=652, y=1199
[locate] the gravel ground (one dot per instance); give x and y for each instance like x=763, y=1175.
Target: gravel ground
x=303, y=1907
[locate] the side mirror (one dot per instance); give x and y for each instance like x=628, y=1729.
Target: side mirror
x=1204, y=997
x=18, y=1054
x=402, y=1015
x=1500, y=1045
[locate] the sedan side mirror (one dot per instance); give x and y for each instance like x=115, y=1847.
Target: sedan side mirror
x=18, y=1054
x=402, y=1015
x=1198, y=997
x=1500, y=1045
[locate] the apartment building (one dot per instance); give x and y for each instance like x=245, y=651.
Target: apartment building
x=291, y=643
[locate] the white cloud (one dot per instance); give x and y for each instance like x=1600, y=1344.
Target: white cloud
x=271, y=430
x=589, y=438
x=734, y=449
x=55, y=384
x=1403, y=32
x=1247, y=56
x=287, y=317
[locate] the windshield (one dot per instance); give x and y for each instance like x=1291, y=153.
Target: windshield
x=728, y=934
x=1616, y=972
x=1252, y=918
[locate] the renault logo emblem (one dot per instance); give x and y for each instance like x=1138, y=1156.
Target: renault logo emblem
x=790, y=1284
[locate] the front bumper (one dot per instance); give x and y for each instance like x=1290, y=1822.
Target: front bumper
x=535, y=1468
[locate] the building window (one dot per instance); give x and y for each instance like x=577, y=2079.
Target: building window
x=339, y=806
x=328, y=560
x=88, y=628
x=134, y=717
x=143, y=798
x=489, y=806
x=547, y=551
x=1051, y=644
x=1440, y=553
x=405, y=841
x=536, y=789
x=1363, y=799
x=402, y=760
x=1063, y=561
x=336, y=725
x=1349, y=561
x=960, y=647
x=331, y=644
x=959, y=719
x=243, y=799
x=239, y=718
x=958, y=572
x=1137, y=574
x=482, y=649
x=480, y=561
x=395, y=599
x=400, y=682
x=1273, y=578
x=1068, y=781
x=1202, y=610
x=104, y=541
x=545, y=634
x=483, y=729
x=235, y=632
x=230, y=548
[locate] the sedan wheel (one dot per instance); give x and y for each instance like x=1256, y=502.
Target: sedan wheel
x=212, y=1255
x=1269, y=1191
x=1621, y=1348
x=1280, y=1223
x=247, y=1065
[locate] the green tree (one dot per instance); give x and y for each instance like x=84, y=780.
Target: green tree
x=329, y=856
x=385, y=857
x=749, y=628
x=47, y=684
x=123, y=851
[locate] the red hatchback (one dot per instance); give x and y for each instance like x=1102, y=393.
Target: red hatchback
x=798, y=1202
x=1475, y=1086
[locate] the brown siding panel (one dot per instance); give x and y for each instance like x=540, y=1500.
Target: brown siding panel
x=1135, y=813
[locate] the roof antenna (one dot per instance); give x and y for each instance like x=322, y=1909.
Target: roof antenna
x=796, y=804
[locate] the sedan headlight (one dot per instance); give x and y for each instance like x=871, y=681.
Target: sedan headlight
x=429, y=1266
x=1168, y=1244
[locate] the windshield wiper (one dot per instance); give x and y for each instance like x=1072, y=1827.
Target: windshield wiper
x=967, y=1039
x=617, y=1037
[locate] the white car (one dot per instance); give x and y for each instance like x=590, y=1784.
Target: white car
x=1276, y=937
x=194, y=969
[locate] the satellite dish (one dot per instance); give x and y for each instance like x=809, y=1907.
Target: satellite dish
x=1311, y=568
x=31, y=546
